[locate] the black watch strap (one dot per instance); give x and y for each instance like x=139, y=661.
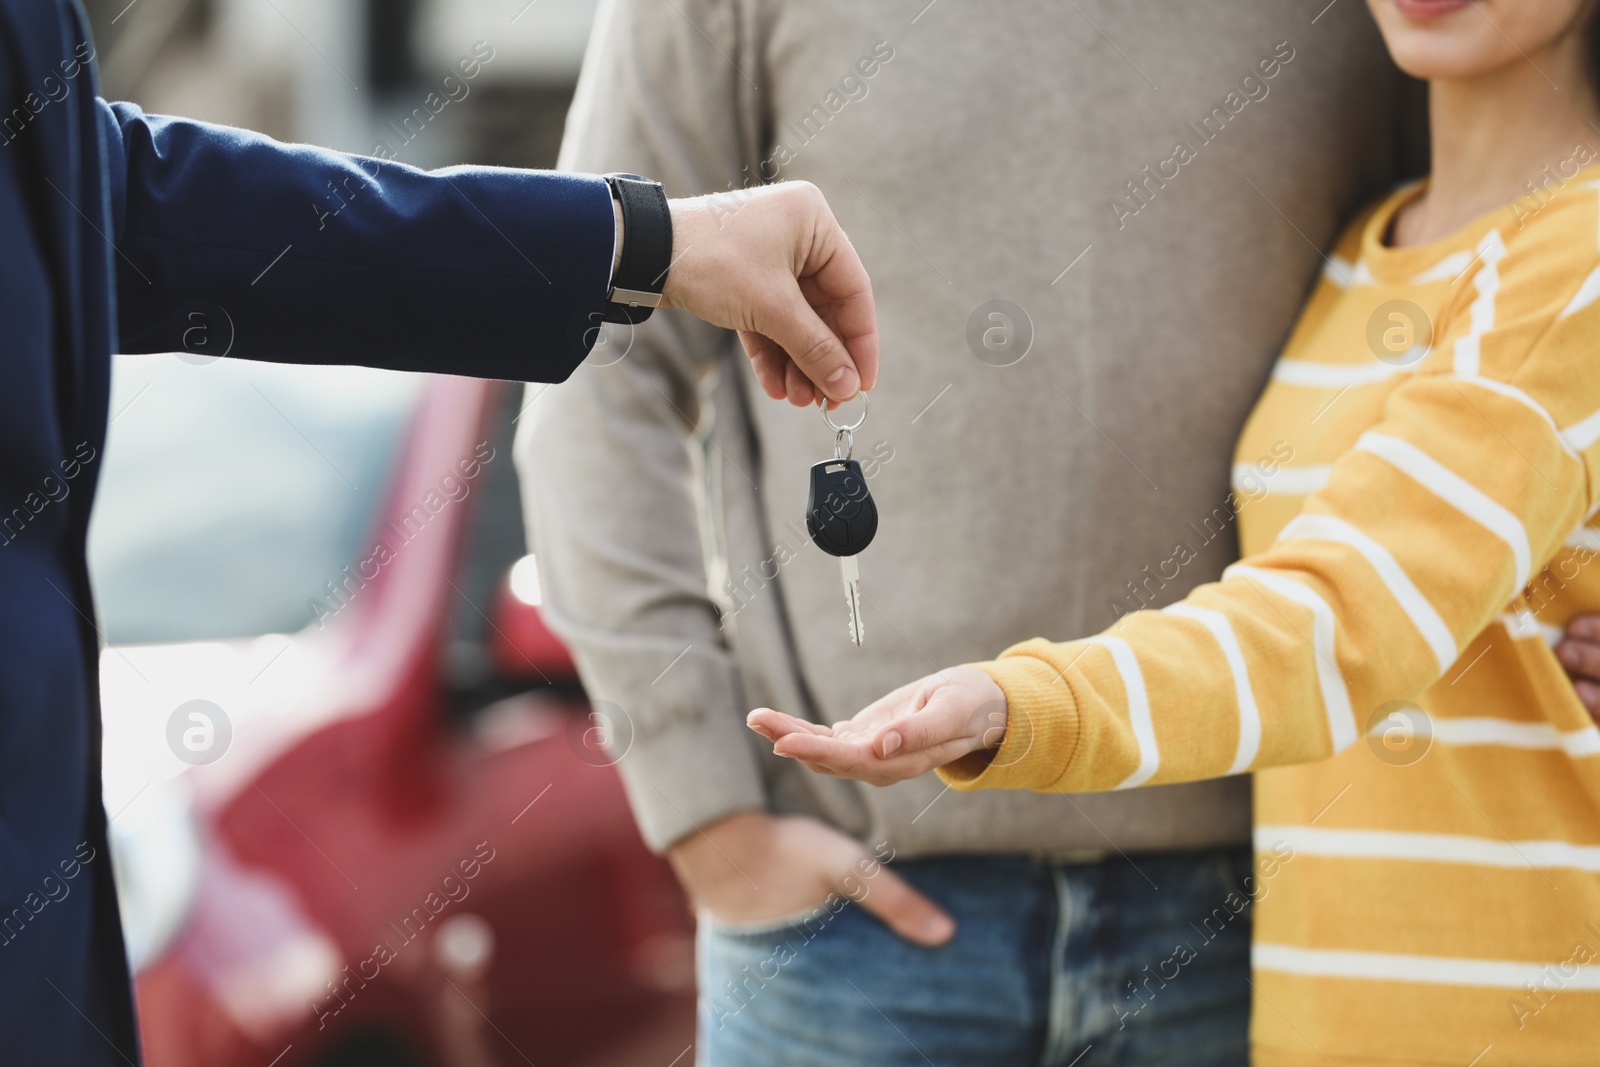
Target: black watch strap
x=646, y=248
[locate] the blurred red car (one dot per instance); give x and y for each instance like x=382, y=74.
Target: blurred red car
x=362, y=813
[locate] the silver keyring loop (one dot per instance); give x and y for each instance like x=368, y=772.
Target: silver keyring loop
x=827, y=416
x=844, y=444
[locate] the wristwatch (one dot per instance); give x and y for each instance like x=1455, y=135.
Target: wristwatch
x=641, y=272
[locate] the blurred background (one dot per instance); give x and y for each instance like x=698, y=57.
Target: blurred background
x=362, y=812
x=347, y=74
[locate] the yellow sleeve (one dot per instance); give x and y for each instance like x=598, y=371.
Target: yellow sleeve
x=1427, y=528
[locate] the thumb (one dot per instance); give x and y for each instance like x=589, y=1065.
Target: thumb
x=794, y=326
x=906, y=911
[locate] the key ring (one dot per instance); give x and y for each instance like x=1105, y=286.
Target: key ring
x=844, y=440
x=827, y=416
x=844, y=444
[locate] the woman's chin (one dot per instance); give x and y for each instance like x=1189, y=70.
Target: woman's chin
x=1427, y=62
x=1457, y=40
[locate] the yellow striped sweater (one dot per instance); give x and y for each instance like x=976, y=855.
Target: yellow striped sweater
x=1414, y=491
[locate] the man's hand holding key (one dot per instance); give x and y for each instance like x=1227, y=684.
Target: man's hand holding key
x=781, y=272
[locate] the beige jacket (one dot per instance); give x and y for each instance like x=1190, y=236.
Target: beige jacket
x=1149, y=182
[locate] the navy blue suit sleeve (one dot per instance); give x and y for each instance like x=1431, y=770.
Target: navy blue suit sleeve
x=297, y=254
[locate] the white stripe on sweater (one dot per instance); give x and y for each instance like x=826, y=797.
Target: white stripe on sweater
x=1335, y=694
x=1418, y=609
x=1586, y=294
x=1342, y=273
x=1487, y=281
x=1293, y=481
x=1580, y=435
x=1447, y=269
x=1595, y=185
x=1144, y=730
x=1511, y=392
x=1340, y=375
x=1521, y=625
x=1244, y=696
x=1429, y=848
x=1426, y=970
x=1455, y=491
x=1510, y=733
x=1585, y=536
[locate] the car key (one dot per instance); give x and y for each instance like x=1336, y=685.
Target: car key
x=841, y=516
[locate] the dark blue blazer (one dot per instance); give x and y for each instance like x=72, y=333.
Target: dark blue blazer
x=116, y=229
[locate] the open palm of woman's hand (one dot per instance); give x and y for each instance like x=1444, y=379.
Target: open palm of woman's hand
x=920, y=726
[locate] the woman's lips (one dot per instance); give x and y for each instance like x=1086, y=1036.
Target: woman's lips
x=1418, y=10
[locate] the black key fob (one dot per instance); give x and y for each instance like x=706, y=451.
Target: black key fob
x=840, y=515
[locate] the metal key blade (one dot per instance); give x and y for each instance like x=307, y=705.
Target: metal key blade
x=850, y=571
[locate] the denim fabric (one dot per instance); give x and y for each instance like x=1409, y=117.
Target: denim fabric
x=1142, y=960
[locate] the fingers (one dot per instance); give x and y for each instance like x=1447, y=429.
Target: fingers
x=782, y=272
x=778, y=376
x=906, y=911
x=811, y=346
x=919, y=726
x=856, y=758
x=837, y=281
x=844, y=753
x=1580, y=655
x=800, y=389
x=1589, y=695
x=826, y=321
x=913, y=730
x=1585, y=628
x=768, y=362
x=775, y=724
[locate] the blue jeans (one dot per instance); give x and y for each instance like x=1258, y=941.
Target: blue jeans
x=1141, y=960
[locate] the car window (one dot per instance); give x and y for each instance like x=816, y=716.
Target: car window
x=495, y=540
x=232, y=492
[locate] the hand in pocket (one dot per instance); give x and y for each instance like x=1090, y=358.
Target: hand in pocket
x=755, y=867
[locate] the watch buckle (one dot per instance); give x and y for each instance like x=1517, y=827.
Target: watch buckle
x=635, y=298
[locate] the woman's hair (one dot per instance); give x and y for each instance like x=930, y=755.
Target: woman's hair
x=1592, y=36
x=1593, y=32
